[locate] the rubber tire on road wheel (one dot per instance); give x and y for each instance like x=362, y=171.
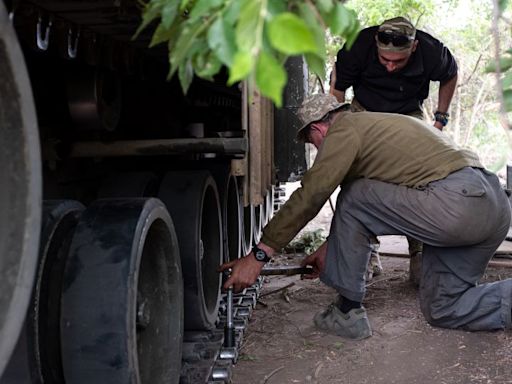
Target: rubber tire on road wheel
x=122, y=302
x=37, y=356
x=20, y=189
x=192, y=199
x=231, y=208
x=248, y=229
x=60, y=218
x=258, y=223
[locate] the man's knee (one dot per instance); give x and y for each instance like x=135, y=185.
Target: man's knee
x=436, y=314
x=437, y=300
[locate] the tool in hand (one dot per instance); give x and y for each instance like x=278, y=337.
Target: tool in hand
x=229, y=328
x=286, y=270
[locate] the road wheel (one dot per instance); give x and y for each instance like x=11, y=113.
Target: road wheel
x=37, y=356
x=20, y=189
x=122, y=302
x=248, y=232
x=231, y=208
x=192, y=199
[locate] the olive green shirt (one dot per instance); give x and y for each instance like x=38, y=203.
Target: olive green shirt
x=388, y=147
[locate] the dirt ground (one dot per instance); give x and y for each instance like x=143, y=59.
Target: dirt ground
x=283, y=346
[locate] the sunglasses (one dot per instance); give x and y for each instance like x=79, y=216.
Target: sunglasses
x=397, y=40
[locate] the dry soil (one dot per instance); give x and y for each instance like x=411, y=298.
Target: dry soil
x=283, y=346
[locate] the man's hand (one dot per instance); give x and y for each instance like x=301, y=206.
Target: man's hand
x=317, y=261
x=438, y=125
x=244, y=272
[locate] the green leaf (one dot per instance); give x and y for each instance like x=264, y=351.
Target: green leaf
x=503, y=5
x=247, y=25
x=179, y=52
x=290, y=34
x=318, y=31
x=169, y=13
x=189, y=36
x=270, y=78
x=505, y=64
x=207, y=66
x=507, y=80
x=203, y=8
x=151, y=11
x=507, y=96
x=316, y=64
x=339, y=20
x=184, y=4
x=243, y=64
x=186, y=74
x=352, y=33
x=163, y=34
x=221, y=39
x=232, y=12
x=275, y=7
x=324, y=6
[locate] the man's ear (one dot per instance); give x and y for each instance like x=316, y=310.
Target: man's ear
x=414, y=45
x=324, y=127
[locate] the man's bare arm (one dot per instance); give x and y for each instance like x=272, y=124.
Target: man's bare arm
x=246, y=270
x=340, y=95
x=446, y=91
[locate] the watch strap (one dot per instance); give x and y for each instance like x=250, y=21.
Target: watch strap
x=260, y=254
x=441, y=117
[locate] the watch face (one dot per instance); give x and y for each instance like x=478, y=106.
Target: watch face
x=260, y=255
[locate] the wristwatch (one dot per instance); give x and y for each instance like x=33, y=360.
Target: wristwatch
x=260, y=254
x=442, y=117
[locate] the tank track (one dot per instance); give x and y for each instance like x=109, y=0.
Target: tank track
x=205, y=359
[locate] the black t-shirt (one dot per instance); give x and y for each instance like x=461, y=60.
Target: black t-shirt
x=400, y=92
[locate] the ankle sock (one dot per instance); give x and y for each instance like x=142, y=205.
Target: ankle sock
x=345, y=305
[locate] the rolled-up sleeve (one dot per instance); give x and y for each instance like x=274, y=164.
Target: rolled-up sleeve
x=446, y=67
x=347, y=69
x=351, y=63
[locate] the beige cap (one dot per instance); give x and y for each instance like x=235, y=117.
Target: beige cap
x=314, y=108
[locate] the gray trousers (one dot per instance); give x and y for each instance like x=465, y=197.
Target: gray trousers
x=461, y=220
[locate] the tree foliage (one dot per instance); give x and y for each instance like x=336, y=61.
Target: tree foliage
x=374, y=12
x=252, y=38
x=502, y=62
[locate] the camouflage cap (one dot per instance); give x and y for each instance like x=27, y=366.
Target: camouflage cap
x=314, y=108
x=398, y=26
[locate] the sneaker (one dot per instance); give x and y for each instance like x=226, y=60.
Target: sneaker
x=352, y=325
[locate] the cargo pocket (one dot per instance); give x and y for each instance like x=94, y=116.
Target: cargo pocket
x=468, y=189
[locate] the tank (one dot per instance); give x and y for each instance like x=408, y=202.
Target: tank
x=121, y=196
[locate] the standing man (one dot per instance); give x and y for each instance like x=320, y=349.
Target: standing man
x=399, y=175
x=390, y=68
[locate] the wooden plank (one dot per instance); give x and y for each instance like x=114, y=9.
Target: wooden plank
x=269, y=152
x=243, y=167
x=255, y=149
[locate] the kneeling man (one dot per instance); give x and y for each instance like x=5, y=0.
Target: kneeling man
x=399, y=176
